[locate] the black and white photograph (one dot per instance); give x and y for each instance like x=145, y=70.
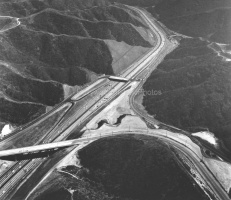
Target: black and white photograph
x=115, y=99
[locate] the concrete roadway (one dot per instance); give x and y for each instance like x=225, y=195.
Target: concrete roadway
x=201, y=168
x=208, y=177
x=132, y=72
x=102, y=100
x=75, y=97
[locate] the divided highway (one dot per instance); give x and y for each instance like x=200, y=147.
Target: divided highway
x=93, y=99
x=216, y=187
x=96, y=97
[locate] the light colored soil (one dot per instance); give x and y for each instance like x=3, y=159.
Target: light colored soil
x=49, y=108
x=127, y=123
x=68, y=90
x=115, y=109
x=146, y=34
x=91, y=76
x=133, y=122
x=4, y=165
x=221, y=170
x=71, y=158
x=123, y=54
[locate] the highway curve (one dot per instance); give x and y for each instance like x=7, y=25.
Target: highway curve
x=107, y=95
x=74, y=119
x=208, y=176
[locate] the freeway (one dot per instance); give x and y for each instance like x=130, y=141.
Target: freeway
x=208, y=176
x=181, y=146
x=62, y=131
x=95, y=97
x=75, y=97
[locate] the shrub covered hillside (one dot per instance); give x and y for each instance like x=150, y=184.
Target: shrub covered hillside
x=197, y=18
x=140, y=168
x=195, y=78
x=196, y=89
x=48, y=45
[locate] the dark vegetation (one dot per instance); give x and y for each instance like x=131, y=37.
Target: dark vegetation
x=34, y=134
x=6, y=22
x=19, y=113
x=56, y=23
x=24, y=8
x=198, y=18
x=54, y=45
x=141, y=168
x=58, y=39
x=34, y=91
x=194, y=80
x=196, y=89
x=208, y=18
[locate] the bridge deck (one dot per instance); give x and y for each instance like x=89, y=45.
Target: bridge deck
x=42, y=147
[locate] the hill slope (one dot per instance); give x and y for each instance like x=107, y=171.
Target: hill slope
x=53, y=45
x=195, y=78
x=140, y=168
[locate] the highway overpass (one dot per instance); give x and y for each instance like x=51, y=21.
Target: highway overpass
x=97, y=95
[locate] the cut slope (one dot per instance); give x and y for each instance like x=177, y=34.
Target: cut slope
x=53, y=22
x=55, y=45
x=125, y=167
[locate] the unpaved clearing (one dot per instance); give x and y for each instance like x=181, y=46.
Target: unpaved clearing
x=68, y=90
x=123, y=54
x=5, y=165
x=114, y=110
x=221, y=170
x=146, y=34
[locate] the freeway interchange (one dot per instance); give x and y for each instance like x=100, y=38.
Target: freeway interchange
x=68, y=118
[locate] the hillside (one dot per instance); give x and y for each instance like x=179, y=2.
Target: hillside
x=60, y=45
x=140, y=168
x=195, y=78
x=51, y=48
x=195, y=85
x=209, y=19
